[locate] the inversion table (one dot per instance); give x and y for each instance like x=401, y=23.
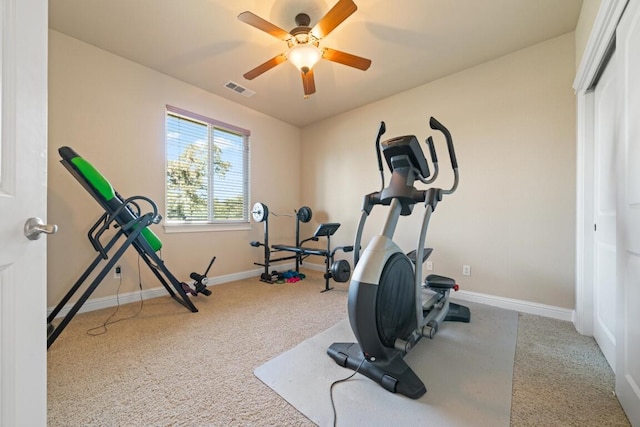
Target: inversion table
x=132, y=225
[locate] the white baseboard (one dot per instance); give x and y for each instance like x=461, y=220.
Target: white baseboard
x=112, y=301
x=134, y=296
x=500, y=302
x=516, y=305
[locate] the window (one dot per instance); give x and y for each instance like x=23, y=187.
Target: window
x=206, y=170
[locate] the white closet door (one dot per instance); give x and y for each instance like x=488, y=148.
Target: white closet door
x=628, y=330
x=604, y=250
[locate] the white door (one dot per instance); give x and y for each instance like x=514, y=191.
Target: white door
x=604, y=251
x=628, y=332
x=23, y=184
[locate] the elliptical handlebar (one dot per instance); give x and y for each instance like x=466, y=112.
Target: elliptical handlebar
x=417, y=196
x=432, y=150
x=430, y=196
x=435, y=124
x=434, y=160
x=381, y=131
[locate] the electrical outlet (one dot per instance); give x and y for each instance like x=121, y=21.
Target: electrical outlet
x=117, y=272
x=429, y=265
x=466, y=270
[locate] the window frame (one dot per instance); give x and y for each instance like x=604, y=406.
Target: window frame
x=173, y=226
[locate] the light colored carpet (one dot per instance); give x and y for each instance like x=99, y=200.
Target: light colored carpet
x=561, y=378
x=467, y=369
x=170, y=367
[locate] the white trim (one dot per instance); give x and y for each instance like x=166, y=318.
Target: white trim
x=602, y=33
x=246, y=274
x=599, y=40
x=132, y=297
x=203, y=228
x=516, y=305
x=207, y=120
x=494, y=301
x=506, y=303
x=93, y=304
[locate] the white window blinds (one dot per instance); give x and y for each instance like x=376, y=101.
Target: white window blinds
x=206, y=170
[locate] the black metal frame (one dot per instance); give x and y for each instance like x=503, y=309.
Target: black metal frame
x=324, y=230
x=130, y=223
x=268, y=276
x=384, y=335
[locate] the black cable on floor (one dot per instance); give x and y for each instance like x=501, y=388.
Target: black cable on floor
x=333, y=406
x=103, y=327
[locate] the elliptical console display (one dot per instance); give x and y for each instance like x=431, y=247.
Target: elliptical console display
x=390, y=307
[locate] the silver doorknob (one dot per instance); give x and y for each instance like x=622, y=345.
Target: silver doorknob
x=34, y=227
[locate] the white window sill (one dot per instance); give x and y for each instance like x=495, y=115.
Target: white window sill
x=203, y=228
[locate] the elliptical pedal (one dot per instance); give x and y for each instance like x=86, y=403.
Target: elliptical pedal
x=437, y=282
x=425, y=255
x=441, y=284
x=458, y=313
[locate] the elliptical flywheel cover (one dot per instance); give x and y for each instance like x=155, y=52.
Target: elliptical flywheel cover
x=396, y=300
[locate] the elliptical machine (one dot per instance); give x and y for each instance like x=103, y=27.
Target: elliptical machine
x=390, y=309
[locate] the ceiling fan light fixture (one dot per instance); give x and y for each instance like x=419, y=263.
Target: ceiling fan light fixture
x=304, y=56
x=303, y=43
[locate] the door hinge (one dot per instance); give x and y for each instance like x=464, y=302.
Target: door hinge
x=595, y=227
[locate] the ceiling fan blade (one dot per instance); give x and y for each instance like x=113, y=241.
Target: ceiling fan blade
x=338, y=13
x=266, y=26
x=346, y=58
x=308, y=83
x=279, y=59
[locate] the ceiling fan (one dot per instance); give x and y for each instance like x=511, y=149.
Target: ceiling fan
x=304, y=43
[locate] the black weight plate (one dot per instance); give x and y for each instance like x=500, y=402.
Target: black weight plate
x=341, y=270
x=304, y=214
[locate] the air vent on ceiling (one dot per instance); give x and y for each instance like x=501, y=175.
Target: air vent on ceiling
x=239, y=89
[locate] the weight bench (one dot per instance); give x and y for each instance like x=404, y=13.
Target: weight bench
x=339, y=270
x=260, y=213
x=124, y=215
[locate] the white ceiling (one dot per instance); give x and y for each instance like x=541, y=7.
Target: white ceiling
x=410, y=43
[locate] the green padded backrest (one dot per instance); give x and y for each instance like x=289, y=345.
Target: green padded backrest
x=152, y=239
x=94, y=177
x=104, y=188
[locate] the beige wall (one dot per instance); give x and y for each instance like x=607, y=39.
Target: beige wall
x=513, y=121
x=111, y=111
x=587, y=17
x=513, y=217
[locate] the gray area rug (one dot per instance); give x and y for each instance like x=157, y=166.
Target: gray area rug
x=467, y=370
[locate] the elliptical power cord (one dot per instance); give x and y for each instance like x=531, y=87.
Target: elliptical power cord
x=333, y=405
